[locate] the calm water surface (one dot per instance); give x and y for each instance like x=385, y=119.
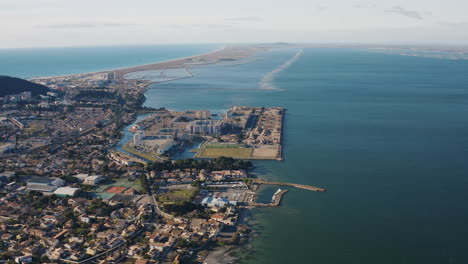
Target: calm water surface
x=387, y=135
x=28, y=63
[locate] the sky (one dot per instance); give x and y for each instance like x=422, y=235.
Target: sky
x=57, y=23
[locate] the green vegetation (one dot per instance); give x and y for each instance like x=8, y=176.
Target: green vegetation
x=93, y=94
x=179, y=209
x=183, y=243
x=144, y=183
x=220, y=163
x=13, y=85
x=177, y=196
x=147, y=156
x=101, y=208
x=237, y=153
x=214, y=145
x=40, y=201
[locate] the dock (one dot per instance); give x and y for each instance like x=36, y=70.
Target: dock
x=300, y=186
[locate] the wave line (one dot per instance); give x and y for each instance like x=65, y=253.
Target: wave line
x=267, y=81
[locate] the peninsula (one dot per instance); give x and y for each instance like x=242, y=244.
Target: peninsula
x=243, y=132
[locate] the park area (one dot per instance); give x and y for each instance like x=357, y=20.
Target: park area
x=177, y=196
x=236, y=151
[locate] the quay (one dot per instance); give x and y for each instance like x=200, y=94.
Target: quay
x=300, y=186
x=275, y=203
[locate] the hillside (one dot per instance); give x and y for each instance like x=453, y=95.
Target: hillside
x=13, y=85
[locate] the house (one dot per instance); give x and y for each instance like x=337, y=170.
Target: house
x=6, y=236
x=105, y=235
x=56, y=254
x=158, y=246
x=218, y=217
x=23, y=259
x=134, y=250
x=91, y=251
x=197, y=223
x=153, y=238
x=93, y=180
x=85, y=219
x=115, y=242
x=6, y=175
x=81, y=177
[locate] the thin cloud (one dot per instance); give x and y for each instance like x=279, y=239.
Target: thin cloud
x=453, y=25
x=248, y=18
x=83, y=25
x=404, y=12
x=320, y=8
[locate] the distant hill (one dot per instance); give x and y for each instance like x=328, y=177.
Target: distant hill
x=12, y=85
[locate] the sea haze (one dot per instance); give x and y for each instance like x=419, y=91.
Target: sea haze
x=28, y=63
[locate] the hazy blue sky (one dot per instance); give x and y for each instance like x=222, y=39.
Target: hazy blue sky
x=43, y=23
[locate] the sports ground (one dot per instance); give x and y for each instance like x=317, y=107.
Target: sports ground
x=108, y=189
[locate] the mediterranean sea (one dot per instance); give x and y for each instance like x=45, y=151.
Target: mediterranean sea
x=386, y=135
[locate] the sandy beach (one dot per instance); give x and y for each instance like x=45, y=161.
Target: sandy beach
x=229, y=53
x=225, y=54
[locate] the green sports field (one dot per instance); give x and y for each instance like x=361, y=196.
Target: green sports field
x=219, y=145
x=233, y=152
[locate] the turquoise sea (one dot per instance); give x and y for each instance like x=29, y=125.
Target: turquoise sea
x=40, y=62
x=386, y=135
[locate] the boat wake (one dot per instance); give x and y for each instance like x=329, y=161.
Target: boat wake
x=267, y=81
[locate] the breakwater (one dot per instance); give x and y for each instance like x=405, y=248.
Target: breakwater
x=300, y=186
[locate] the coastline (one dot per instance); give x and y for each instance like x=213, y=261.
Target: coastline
x=172, y=63
x=218, y=253
x=116, y=69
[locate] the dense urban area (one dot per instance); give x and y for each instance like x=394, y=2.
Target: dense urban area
x=69, y=195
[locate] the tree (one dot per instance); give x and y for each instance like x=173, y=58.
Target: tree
x=44, y=259
x=144, y=183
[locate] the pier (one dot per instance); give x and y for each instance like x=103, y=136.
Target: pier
x=300, y=186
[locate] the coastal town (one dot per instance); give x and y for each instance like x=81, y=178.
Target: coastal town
x=68, y=194
x=172, y=215
x=242, y=132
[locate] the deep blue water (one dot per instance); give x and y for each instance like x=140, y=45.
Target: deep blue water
x=387, y=135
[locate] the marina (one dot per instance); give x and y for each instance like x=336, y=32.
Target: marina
x=275, y=200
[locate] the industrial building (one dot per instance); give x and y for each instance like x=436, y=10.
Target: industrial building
x=217, y=202
x=44, y=184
